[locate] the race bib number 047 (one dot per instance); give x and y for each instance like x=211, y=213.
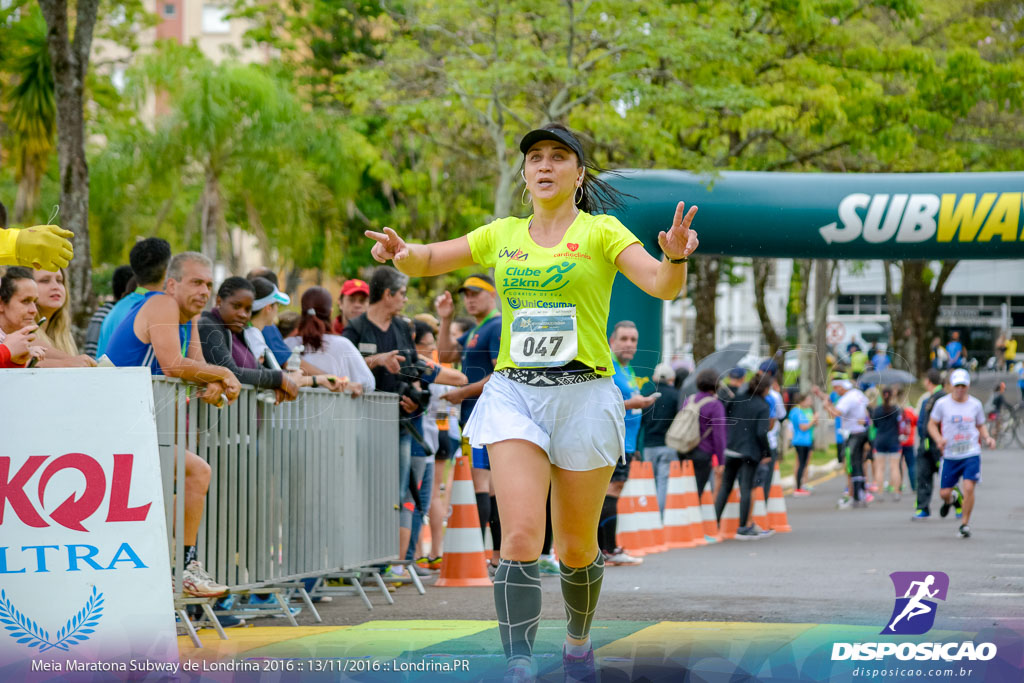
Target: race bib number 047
x=543, y=337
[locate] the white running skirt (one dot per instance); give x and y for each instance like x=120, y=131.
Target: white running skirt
x=580, y=426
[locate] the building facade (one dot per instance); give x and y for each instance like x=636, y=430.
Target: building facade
x=980, y=300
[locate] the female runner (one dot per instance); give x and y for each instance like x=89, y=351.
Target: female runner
x=550, y=414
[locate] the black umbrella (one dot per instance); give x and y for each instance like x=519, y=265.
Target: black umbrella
x=721, y=361
x=887, y=376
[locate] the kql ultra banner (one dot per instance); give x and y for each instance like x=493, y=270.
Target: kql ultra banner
x=85, y=582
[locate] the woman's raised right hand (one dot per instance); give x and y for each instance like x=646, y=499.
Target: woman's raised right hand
x=388, y=246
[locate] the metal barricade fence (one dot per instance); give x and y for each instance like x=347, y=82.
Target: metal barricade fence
x=304, y=488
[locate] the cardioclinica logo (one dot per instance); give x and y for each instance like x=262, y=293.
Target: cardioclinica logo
x=914, y=614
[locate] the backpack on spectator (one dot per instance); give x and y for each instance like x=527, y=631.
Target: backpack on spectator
x=684, y=432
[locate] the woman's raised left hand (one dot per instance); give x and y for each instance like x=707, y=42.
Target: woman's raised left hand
x=679, y=241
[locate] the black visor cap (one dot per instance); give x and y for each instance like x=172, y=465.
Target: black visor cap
x=556, y=134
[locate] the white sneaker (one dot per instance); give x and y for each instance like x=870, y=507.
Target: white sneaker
x=621, y=557
x=199, y=584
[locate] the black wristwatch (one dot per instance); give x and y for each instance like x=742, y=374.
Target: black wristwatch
x=675, y=260
x=314, y=381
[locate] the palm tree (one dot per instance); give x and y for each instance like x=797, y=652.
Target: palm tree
x=235, y=139
x=31, y=115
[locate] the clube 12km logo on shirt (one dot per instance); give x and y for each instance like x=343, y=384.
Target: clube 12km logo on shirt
x=914, y=614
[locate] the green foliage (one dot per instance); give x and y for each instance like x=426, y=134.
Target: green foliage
x=29, y=105
x=408, y=114
x=234, y=148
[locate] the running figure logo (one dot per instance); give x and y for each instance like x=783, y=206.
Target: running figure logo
x=914, y=612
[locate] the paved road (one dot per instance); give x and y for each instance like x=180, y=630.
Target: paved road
x=833, y=568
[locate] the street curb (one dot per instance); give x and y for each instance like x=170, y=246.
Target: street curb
x=813, y=471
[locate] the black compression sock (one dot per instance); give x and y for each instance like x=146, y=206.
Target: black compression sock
x=581, y=588
x=483, y=508
x=517, y=600
x=608, y=524
x=495, y=525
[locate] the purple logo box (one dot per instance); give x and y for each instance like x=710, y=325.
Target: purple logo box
x=916, y=593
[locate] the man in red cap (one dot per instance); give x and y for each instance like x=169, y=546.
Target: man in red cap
x=354, y=296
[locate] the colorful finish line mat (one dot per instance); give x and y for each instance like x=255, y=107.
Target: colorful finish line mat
x=687, y=652
x=625, y=651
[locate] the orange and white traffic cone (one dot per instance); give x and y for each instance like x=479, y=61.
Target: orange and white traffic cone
x=730, y=521
x=464, y=561
x=677, y=519
x=650, y=515
x=426, y=542
x=760, y=508
x=707, y=513
x=632, y=532
x=777, y=518
x=693, y=504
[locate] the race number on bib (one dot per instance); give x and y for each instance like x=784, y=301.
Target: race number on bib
x=543, y=337
x=961, y=448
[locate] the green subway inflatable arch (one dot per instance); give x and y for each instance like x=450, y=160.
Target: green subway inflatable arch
x=818, y=215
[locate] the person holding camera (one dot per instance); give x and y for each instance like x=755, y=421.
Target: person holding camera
x=385, y=340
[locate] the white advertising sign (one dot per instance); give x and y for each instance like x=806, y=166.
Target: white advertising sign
x=85, y=581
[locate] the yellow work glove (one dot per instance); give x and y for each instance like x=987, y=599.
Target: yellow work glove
x=43, y=247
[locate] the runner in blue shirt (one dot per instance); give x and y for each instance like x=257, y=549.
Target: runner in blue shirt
x=955, y=350
x=802, y=418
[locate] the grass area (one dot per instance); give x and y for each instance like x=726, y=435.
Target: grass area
x=787, y=464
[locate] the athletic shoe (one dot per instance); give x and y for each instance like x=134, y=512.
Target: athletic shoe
x=548, y=568
x=519, y=670
x=230, y=621
x=843, y=503
x=423, y=562
x=270, y=600
x=955, y=502
x=395, y=573
x=800, y=493
x=620, y=557
x=895, y=497
x=579, y=669
x=197, y=583
x=420, y=571
x=920, y=514
x=872, y=487
x=748, y=533
x=225, y=620
x=765, y=533
x=226, y=603
x=958, y=504
x=435, y=564
x=965, y=531
x=868, y=497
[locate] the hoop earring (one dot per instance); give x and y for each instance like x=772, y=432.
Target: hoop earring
x=580, y=188
x=522, y=172
x=523, y=198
